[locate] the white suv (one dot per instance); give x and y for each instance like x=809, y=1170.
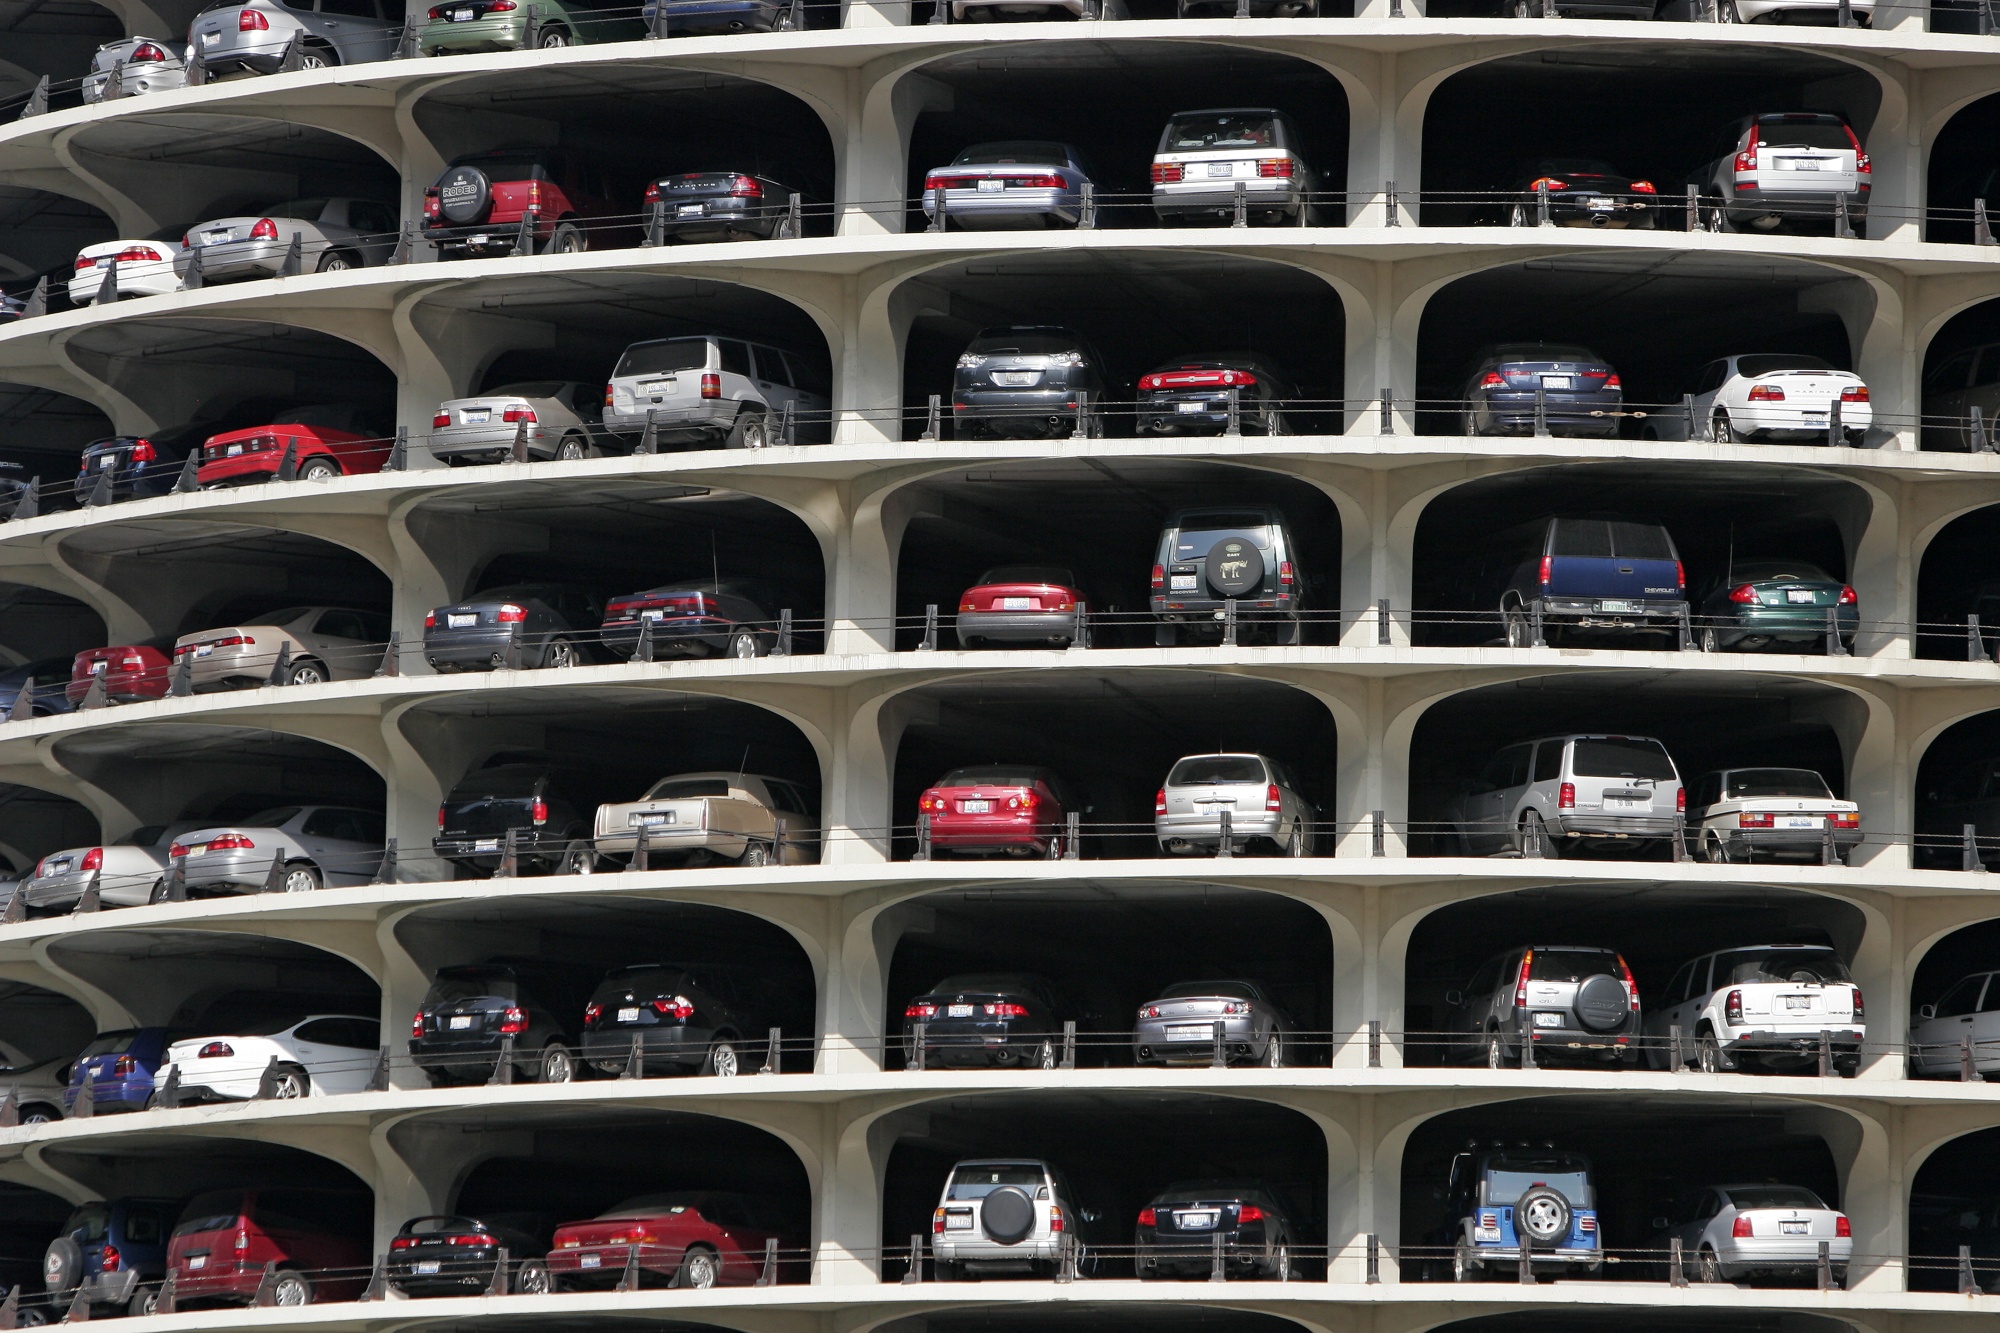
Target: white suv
x=710, y=389
x=1767, y=1004
x=1005, y=1215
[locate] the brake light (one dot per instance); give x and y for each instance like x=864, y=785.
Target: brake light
x=432, y=204
x=109, y=1257
x=1159, y=578
x=147, y=51
x=1744, y=593
x=1566, y=796
x=142, y=452
x=1747, y=159
x=1275, y=168
x=430, y=620
x=539, y=812
x=1034, y=182
x=1612, y=381
x=1643, y=187
x=1681, y=800
x=175, y=850
x=1755, y=819
x=592, y=1012
x=231, y=842
x=510, y=614
x=513, y=414
x=1055, y=1218
x=1766, y=393
x=1860, y=1009
x=1250, y=1212
x=930, y=800
x=1521, y=982
x=1846, y=819
x=920, y=1009
x=1006, y=1009
x=440, y=421
x=1740, y=1228
x=124, y=1067
x=1160, y=801
x=1631, y=982
x=404, y=1242
x=84, y=263
x=1272, y=800
x=607, y=395
x=1549, y=182
x=242, y=1240
x=680, y=1006
x=1493, y=380
x=937, y=1221
x=1025, y=801
x=1861, y=164
x=137, y=254
x=636, y=1236
x=249, y=20
x=1841, y=1226
x=1548, y=566
x=264, y=230
x=1680, y=575
x=1732, y=1007
x=514, y=1021
x=93, y=859
x=215, y=1050
x=1854, y=393
x=417, y=1024
x=1285, y=575
x=1148, y=1217
x=1167, y=173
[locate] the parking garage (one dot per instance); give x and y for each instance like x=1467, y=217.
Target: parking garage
x=1118, y=1151
x=1721, y=519
x=1653, y=927
x=1706, y=723
x=34, y=822
x=39, y=1027
x=1688, y=1143
x=1187, y=305
x=1953, y=590
x=43, y=431
x=45, y=231
x=1656, y=318
x=1658, y=113
x=1071, y=1317
x=1111, y=739
x=1102, y=520
x=1105, y=949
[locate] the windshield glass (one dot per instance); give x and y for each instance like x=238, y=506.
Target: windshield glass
x=663, y=358
x=1776, y=782
x=1211, y=769
x=680, y=789
x=1793, y=572
x=1773, y=1196
x=1571, y=964
x=1797, y=966
x=270, y=818
x=1023, y=342
x=531, y=389
x=991, y=775
x=976, y=1182
x=1782, y=132
x=1034, y=151
x=441, y=1226
x=980, y=983
x=644, y=982
x=1640, y=541
x=1028, y=574
x=1574, y=166
x=1508, y=1178
x=1769, y=363
x=1229, y=990
x=1538, y=352
x=108, y=1043
x=1230, y=129
x=1622, y=757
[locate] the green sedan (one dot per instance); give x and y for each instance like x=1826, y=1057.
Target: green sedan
x=1766, y=602
x=502, y=25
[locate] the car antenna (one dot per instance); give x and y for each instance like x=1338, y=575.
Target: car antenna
x=743, y=766
x=1729, y=572
x=714, y=563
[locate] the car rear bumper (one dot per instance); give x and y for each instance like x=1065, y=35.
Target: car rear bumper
x=220, y=1080
x=1759, y=1253
x=719, y=213
x=1611, y=826
x=975, y=1249
x=1513, y=412
x=1789, y=200
x=477, y=648
x=54, y=893
x=457, y=1274
x=244, y=468
x=1614, y=613
x=496, y=236
x=1797, y=1038
x=1015, y=626
x=110, y=1288
x=1804, y=841
x=674, y=420
x=1564, y=1257
x=1803, y=622
x=1187, y=832
x=470, y=1057
x=718, y=15
x=121, y=1094
x=493, y=444
x=1216, y=197
x=483, y=851
x=672, y=839
x=226, y=665
x=1020, y=832
x=259, y=52
x=660, y=1045
x=482, y=34
x=240, y=259
x=1792, y=422
x=683, y=637
x=1001, y=209
x=969, y=1044
x=227, y=871
x=230, y=1282
x=1168, y=1041
x=1194, y=1252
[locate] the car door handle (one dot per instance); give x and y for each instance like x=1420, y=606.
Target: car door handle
x=1966, y=1019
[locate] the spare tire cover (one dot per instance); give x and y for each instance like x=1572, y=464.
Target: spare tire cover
x=1541, y=1216
x=1008, y=1215
x=1234, y=567
x=1601, y=1003
x=463, y=194
x=62, y=1266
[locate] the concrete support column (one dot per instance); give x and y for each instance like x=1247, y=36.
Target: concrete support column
x=874, y=186
x=854, y=1001
x=445, y=351
x=1886, y=354
x=438, y=554
x=861, y=777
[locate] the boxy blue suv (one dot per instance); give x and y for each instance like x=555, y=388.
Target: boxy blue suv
x=1585, y=576
x=120, y=1067
x=1502, y=1198
x=115, y=1251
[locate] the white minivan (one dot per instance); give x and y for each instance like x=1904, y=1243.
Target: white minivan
x=706, y=389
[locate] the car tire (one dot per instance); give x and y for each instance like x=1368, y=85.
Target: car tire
x=1496, y=1051
x=317, y=57
x=1719, y=429
x=558, y=654
x=302, y=877
x=1515, y=624
x=62, y=1266
x=1463, y=1266
x=39, y=1113
x=1517, y=216
x=533, y=1279
x=1296, y=845
x=699, y=1269
x=159, y=893
x=307, y=671
x=570, y=450
x=289, y=1083
x=568, y=239
x=743, y=644
x=555, y=39
x=1707, y=1053
x=1045, y=1056
x=944, y=1270
x=755, y=855
x=722, y=1060
x=1550, y=849
x=1166, y=635
x=557, y=1065
x=336, y=261
x=291, y=1288
x=1711, y=641
x=318, y=469
x=579, y=858
x=748, y=432
x=1708, y=1269
x=1274, y=1050
x=144, y=1301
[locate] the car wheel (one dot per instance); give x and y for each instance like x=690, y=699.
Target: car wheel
x=1516, y=625
x=533, y=1279
x=755, y=855
x=62, y=1266
x=290, y=1083
x=944, y=1270
x=1517, y=216
x=579, y=858
x=1045, y=1058
x=318, y=469
x=743, y=644
x=144, y=1301
x=1296, y=844
x=558, y=655
x=291, y=1288
x=570, y=450
x=557, y=1066
x=1166, y=635
x=1711, y=642
x=1725, y=12
x=307, y=672
x=722, y=1061
x=36, y=1113
x=1707, y=1053
x=1719, y=429
x=568, y=240
x=555, y=39
x=1710, y=1269
x=1533, y=829
x=335, y=261
x=1274, y=1050
x=316, y=57
x=748, y=432
x=301, y=877
x=1496, y=1051
x=1463, y=1267
x=699, y=1269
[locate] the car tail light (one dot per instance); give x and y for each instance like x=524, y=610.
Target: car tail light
x=432, y=205
x=1167, y=173
x=1159, y=578
x=920, y=1009
x=1747, y=159
x=1841, y=1226
x=1766, y=393
x=1521, y=982
x=405, y=1242
x=635, y=1236
x=1861, y=164
x=1150, y=1011
x=1160, y=801
x=264, y=230
x=1643, y=187
x=1145, y=381
x=513, y=414
x=1275, y=168
x=417, y=1024
x=1755, y=819
x=124, y=1067
x=249, y=20
x=1549, y=182
x=109, y=1258
x=1249, y=1212
x=1631, y=982
x=1055, y=1217
x=1566, y=796
x=930, y=800
x=1286, y=576
x=1148, y=1217
x=510, y=614
x=440, y=421
x=1846, y=818
x=1493, y=380
x=1035, y=182
x=1006, y=1009
x=607, y=395
x=592, y=1012
x=652, y=193
x=430, y=620
x=231, y=842
x=1854, y=393
x=242, y=1240
x=711, y=385
x=1612, y=381
x=1548, y=566
x=84, y=263
x=539, y=811
x=1732, y=1007
x=1027, y=800
x=1860, y=1009
x=1740, y=1228
x=1585, y=1222
x=93, y=859
x=175, y=850
x=215, y=1050
x=142, y=452
x=147, y=51
x=678, y=1006
x=1272, y=800
x=1744, y=593
x=440, y=817
x=937, y=1221
x=514, y=1021
x=137, y=254
x=1681, y=800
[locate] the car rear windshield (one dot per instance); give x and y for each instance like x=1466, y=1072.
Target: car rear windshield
x=682, y=789
x=980, y=983
x=1228, y=990
x=270, y=818
x=108, y=1043
x=1023, y=342
x=663, y=358
x=645, y=982
x=1776, y=782
x=471, y=985
x=1210, y=769
x=88, y=1224
x=210, y=1212
x=507, y=167
x=532, y=389
x=1785, y=132
x=1798, y=966
x=1198, y=532
x=1570, y=964
x=441, y=1226
x=1195, y=134
x=654, y=1203
x=1573, y=166
x=1771, y=363
x=513, y=780
x=1601, y=539
x=1772, y=571
x=989, y=775
x=1773, y=1196
x=1028, y=574
x=1036, y=151
x=1539, y=352
x=976, y=1182
x=1621, y=757
x=1508, y=1178
x=303, y=210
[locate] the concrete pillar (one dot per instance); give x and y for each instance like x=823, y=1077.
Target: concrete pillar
x=875, y=182
x=861, y=779
x=438, y=555
x=1885, y=349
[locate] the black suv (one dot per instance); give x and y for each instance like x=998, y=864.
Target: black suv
x=685, y=1019
x=471, y=1009
x=473, y=823
x=1207, y=557
x=1021, y=383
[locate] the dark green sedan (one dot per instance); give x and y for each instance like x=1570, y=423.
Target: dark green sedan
x=1762, y=603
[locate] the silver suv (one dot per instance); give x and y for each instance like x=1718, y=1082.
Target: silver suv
x=1576, y=1001
x=1260, y=794
x=1563, y=792
x=252, y=36
x=1005, y=1215
x=711, y=389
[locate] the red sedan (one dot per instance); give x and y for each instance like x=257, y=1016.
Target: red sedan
x=1019, y=604
x=131, y=671
x=688, y=1239
x=254, y=454
x=998, y=809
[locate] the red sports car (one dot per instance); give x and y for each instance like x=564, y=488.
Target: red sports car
x=688, y=1239
x=998, y=810
x=237, y=457
x=131, y=671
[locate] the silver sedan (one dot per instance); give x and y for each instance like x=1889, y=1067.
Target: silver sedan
x=1179, y=1027
x=138, y=64
x=1015, y=185
x=316, y=846
x=562, y=422
x=1729, y=1232
x=334, y=234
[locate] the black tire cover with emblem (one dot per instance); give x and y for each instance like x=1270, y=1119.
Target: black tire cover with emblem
x=1541, y=1216
x=1234, y=567
x=1008, y=1215
x=62, y=1266
x=463, y=194
x=1601, y=1003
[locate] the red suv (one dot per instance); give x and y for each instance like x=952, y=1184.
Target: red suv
x=476, y=206
x=1003, y=809
x=693, y=1239
x=318, y=1238
x=326, y=446
x=131, y=672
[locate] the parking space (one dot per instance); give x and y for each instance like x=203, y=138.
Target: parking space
x=1960, y=168
x=34, y=822
x=1474, y=542
x=42, y=630
x=1688, y=1143
x=29, y=1220
x=1080, y=1318
x=44, y=231
x=56, y=39
x=1118, y=1152
x=198, y=983
x=1194, y=308
x=1103, y=523
x=1956, y=786
x=1104, y=950
x=42, y=430
x=1111, y=742
x=1953, y=587
x=1654, y=927
x=1962, y=373
x=40, y=1027
x=1952, y=1205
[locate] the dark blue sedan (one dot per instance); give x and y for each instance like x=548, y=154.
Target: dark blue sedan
x=1579, y=391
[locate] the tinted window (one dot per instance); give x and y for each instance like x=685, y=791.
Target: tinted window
x=1508, y=1178
x=87, y=1225
x=1962, y=998
x=1029, y=574
x=1773, y=1196
x=984, y=983
x=1234, y=990
x=806, y=374
x=663, y=358
x=1712, y=376
x=681, y=789
x=375, y=219
x=1777, y=782
x=1194, y=134
x=143, y=1226
x=1543, y=352
x=507, y=166
x=531, y=389
x=1548, y=761
x=735, y=357
x=505, y=780
x=1779, y=132
x=1798, y=966
x=1792, y=571
x=1621, y=757
x=788, y=798
x=471, y=985
x=1024, y=342
x=1766, y=364
x=771, y=366
x=360, y=1033
x=1989, y=368
x=1677, y=989
x=344, y=825
x=210, y=1212
x=302, y=210
x=343, y=625
x=1589, y=537
x=1570, y=965
x=1641, y=541
x=990, y=775
x=1211, y=769
x=108, y=1043
x=976, y=1182
x=282, y=815
x=353, y=8
x=1010, y=151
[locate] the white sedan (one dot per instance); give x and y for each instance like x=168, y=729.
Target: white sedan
x=316, y=1057
x=1742, y=814
x=142, y=268
x=1779, y=398
x=1729, y=1232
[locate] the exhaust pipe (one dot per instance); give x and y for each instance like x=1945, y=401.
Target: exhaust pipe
x=1599, y=220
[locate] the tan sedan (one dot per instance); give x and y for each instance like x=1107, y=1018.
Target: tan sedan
x=327, y=643
x=703, y=818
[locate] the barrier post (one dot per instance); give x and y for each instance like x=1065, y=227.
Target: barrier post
x=91, y=899
x=1841, y=227
x=1835, y=437
x=518, y=452
x=379, y=1080
x=170, y=1089
x=1240, y=216
x=1982, y=228
x=1676, y=1271
x=1374, y=1043
x=294, y=261
x=917, y=1044
x=783, y=647
x=23, y=707
x=649, y=438
x=656, y=224
x=1378, y=833
x=1217, y=1271
x=1079, y=630
x=1229, y=622
x=1542, y=218
x=1524, y=1265
x=1825, y=1274
x=79, y=1308
x=524, y=239
x=643, y=650
x=1227, y=845
x=635, y=1063
x=1825, y=1053
x=1693, y=220
x=498, y=1286
x=630, y=1280
x=1086, y=209
x=923, y=852
x=1389, y=202
x=642, y=850
x=1082, y=431
x=1969, y=852
x=1072, y=836
x=1527, y=1040
x=10, y=1110
x=1541, y=412
x=510, y=865
x=1828, y=855
x=794, y=225
x=1388, y=411
x=933, y=415
x=1235, y=426
x=1374, y=1259
x=503, y=1066
x=937, y=201
x=1680, y=849
x=1834, y=647
x=773, y=1051
x=1382, y=622
x=1069, y=1044
x=38, y=100
x=1980, y=443
x=1217, y=1057
x=1966, y=1285
x=929, y=641
x=1967, y=1072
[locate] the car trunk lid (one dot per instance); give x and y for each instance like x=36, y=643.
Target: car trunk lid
x=492, y=816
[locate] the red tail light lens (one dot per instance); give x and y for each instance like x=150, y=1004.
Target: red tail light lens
x=1148, y=1217
x=137, y=254
x=264, y=230
x=1167, y=173
x=1159, y=578
x=1631, y=982
x=1680, y=575
x=84, y=263
x=1612, y=381
x=1854, y=393
x=592, y=1012
x=110, y=1258
x=231, y=842
x=514, y=414
x=1847, y=819
x=142, y=452
x=1521, y=982
x=510, y=614
x=1566, y=796
x=539, y=811
x=1732, y=1007
x=711, y=386
x=1747, y=159
x=1861, y=164
x=1841, y=1226
x=93, y=859
x=1548, y=182
x=1744, y=593
x=1548, y=565
x=1272, y=800
x=746, y=187
x=176, y=850
x=653, y=193
x=1740, y=1228
x=124, y=1067
x=405, y=1242
x=1055, y=1218
x=215, y=1050
x=1681, y=799
x=1643, y=187
x=249, y=20
x=1285, y=574
x=1160, y=801
x=147, y=51
x=1860, y=1009
x=1006, y=1009
x=1493, y=380
x=1249, y=1212
x=440, y=818
x=440, y=421
x=920, y=1009
x=1756, y=819
x=937, y=1222
x=417, y=1024
x=680, y=1006
x=514, y=1022
x=1766, y=393
x=1025, y=801
x=430, y=620
x=1275, y=168
x=607, y=395
x=930, y=800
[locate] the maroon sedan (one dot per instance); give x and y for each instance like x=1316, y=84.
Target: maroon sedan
x=998, y=810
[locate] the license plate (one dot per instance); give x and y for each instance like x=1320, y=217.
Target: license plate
x=591, y=1261
x=1611, y=604
x=1182, y=583
x=1792, y=1228
x=486, y=844
x=1190, y=1032
x=459, y=1022
x=1803, y=821
x=992, y=185
x=1626, y=803
x=1550, y=1020
x=655, y=818
x=958, y=1011
x=462, y=16
x=197, y=848
x=1803, y=164
x=466, y=621
x=654, y=616
x=1799, y=596
x=1555, y=381
x=1016, y=377
x=1017, y=604
x=690, y=211
x=975, y=807
x=99, y=668
x=1190, y=407
x=215, y=237
x=1798, y=1002
x=107, y=462
x=230, y=451
x=1599, y=204
x=198, y=1261
x=426, y=1267
x=1192, y=1221
x=1222, y=168
x=210, y=38
x=628, y=1015
x=477, y=416
x=204, y=650
x=59, y=867
x=958, y=1221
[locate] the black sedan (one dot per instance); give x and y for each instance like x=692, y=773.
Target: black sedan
x=692, y=620
x=724, y=206
x=1189, y=395
x=520, y=798
x=1583, y=192
x=1176, y=1233
x=1024, y=383
x=1579, y=391
x=456, y=1256
x=685, y=1020
x=520, y=625
x=1012, y=1020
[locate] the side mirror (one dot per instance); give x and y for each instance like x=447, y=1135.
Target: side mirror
x=1926, y=1011
x=1454, y=998
x=1659, y=1224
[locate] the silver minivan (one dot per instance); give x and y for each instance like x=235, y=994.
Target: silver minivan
x=1568, y=791
x=707, y=389
x=1259, y=793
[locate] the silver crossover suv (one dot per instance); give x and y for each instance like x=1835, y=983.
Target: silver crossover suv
x=711, y=390
x=1260, y=795
x=1563, y=792
x=251, y=36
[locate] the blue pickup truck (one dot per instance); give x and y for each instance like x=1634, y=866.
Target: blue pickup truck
x=1499, y=1199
